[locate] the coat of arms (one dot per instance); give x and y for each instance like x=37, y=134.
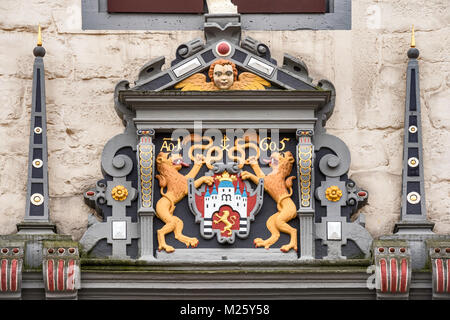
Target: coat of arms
x=227, y=207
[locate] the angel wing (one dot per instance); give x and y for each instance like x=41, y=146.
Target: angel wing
x=250, y=81
x=196, y=82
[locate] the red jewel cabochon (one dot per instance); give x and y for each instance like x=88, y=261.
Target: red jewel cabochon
x=223, y=48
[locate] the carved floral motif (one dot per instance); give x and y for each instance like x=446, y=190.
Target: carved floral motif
x=333, y=193
x=119, y=193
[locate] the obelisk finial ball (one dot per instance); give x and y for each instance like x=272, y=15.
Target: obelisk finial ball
x=39, y=50
x=413, y=52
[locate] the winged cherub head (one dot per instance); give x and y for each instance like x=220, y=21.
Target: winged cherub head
x=223, y=73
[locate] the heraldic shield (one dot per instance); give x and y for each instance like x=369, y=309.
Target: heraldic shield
x=228, y=206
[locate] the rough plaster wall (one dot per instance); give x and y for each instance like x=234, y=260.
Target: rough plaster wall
x=367, y=65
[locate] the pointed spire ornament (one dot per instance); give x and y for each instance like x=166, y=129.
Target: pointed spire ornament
x=244, y=193
x=39, y=50
x=37, y=207
x=413, y=212
x=39, y=42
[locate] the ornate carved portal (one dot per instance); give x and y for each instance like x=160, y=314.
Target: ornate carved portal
x=225, y=156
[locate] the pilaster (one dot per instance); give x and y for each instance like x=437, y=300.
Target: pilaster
x=146, y=212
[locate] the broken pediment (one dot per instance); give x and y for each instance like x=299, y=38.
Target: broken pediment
x=247, y=57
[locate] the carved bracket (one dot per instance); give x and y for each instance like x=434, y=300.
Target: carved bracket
x=11, y=262
x=393, y=269
x=439, y=252
x=61, y=269
x=335, y=230
x=118, y=194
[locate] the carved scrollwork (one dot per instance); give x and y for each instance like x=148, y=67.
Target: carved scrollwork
x=119, y=165
x=120, y=108
x=333, y=165
x=337, y=164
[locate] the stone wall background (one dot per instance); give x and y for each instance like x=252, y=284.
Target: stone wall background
x=366, y=64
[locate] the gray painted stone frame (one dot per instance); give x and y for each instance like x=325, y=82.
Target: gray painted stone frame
x=96, y=17
x=294, y=103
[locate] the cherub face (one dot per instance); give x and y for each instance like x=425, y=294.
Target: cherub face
x=223, y=76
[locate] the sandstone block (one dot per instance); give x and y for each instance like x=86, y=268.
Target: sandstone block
x=12, y=92
x=384, y=190
x=72, y=222
x=13, y=211
x=439, y=103
x=368, y=148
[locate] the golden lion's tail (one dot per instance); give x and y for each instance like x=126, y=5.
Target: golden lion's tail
x=279, y=206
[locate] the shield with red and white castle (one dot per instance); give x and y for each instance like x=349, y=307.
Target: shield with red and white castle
x=227, y=207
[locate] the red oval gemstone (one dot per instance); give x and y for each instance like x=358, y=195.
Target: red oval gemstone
x=381, y=249
x=90, y=193
x=223, y=48
x=5, y=250
x=50, y=250
x=71, y=250
x=402, y=250
x=15, y=250
x=61, y=250
x=392, y=250
x=437, y=250
x=362, y=194
x=447, y=250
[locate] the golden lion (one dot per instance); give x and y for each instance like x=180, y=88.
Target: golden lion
x=276, y=184
x=177, y=188
x=224, y=218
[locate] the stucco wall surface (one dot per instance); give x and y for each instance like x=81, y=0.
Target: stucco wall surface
x=366, y=64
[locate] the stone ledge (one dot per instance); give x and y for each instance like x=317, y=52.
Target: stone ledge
x=105, y=266
x=242, y=285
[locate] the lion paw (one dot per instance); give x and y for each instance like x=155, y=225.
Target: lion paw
x=261, y=243
x=167, y=248
x=245, y=175
x=288, y=247
x=208, y=180
x=191, y=242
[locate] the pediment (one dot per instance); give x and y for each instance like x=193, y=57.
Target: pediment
x=198, y=57
x=254, y=71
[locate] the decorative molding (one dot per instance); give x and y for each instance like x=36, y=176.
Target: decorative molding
x=146, y=168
